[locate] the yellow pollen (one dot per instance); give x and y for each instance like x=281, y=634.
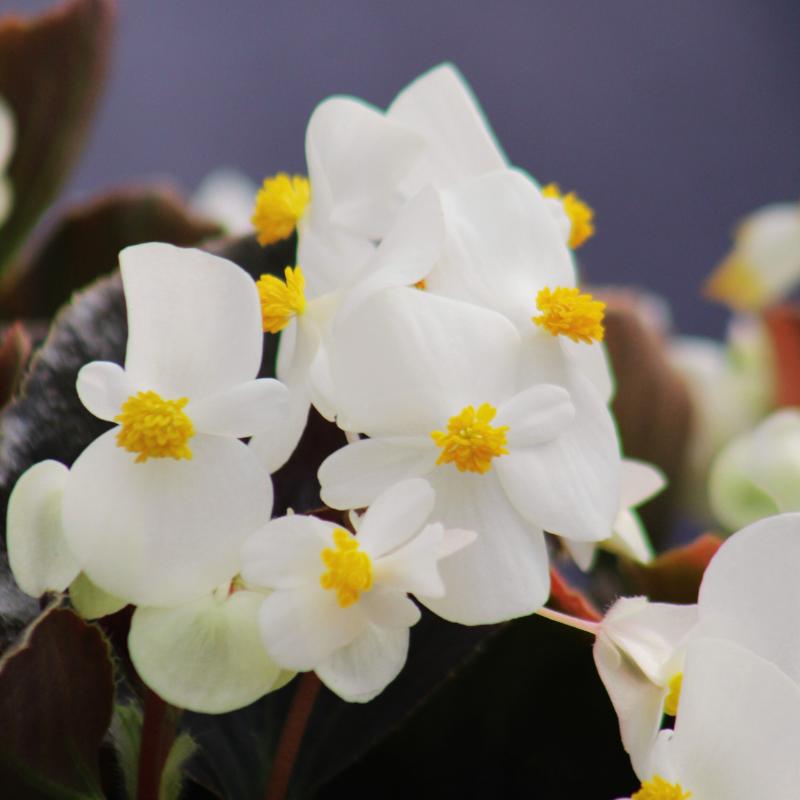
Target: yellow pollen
x=280, y=203
x=659, y=789
x=470, y=442
x=349, y=568
x=674, y=696
x=281, y=299
x=154, y=427
x=567, y=312
x=580, y=214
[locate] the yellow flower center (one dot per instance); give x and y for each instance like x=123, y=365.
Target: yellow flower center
x=154, y=427
x=659, y=789
x=349, y=568
x=580, y=214
x=674, y=696
x=567, y=312
x=470, y=442
x=281, y=299
x=280, y=203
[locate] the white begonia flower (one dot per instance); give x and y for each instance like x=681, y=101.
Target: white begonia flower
x=639, y=482
x=339, y=603
x=736, y=735
x=764, y=265
x=757, y=475
x=226, y=196
x=434, y=383
x=7, y=140
x=155, y=510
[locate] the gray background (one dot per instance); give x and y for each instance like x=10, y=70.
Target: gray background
x=672, y=117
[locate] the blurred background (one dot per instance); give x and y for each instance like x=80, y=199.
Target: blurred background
x=672, y=119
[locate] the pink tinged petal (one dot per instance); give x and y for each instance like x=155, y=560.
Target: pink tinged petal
x=440, y=107
x=537, y=415
x=303, y=627
x=364, y=668
x=750, y=591
x=355, y=475
x=504, y=573
x=194, y=321
x=286, y=552
x=39, y=555
x=435, y=344
x=205, y=655
x=164, y=531
x=389, y=608
x=395, y=516
x=639, y=481
x=736, y=734
x=638, y=701
x=103, y=387
x=501, y=246
x=407, y=253
x=356, y=160
x=570, y=485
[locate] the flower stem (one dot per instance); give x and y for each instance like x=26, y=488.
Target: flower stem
x=573, y=622
x=158, y=733
x=294, y=727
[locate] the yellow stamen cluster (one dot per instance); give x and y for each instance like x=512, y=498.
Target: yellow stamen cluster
x=154, y=427
x=281, y=299
x=580, y=214
x=567, y=312
x=280, y=203
x=659, y=789
x=470, y=442
x=674, y=696
x=349, y=568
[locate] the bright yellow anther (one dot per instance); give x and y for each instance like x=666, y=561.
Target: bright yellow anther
x=154, y=427
x=349, y=568
x=674, y=696
x=580, y=214
x=659, y=789
x=567, y=312
x=470, y=442
x=281, y=299
x=280, y=203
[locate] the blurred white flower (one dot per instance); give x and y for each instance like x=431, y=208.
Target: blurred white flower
x=226, y=195
x=7, y=140
x=764, y=265
x=339, y=603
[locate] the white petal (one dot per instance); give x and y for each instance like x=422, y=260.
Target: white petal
x=750, y=591
x=259, y=406
x=227, y=196
x=414, y=567
x=7, y=133
x=440, y=106
x=569, y=485
x=355, y=475
x=364, y=668
x=389, y=608
x=39, y=555
x=205, y=655
x=163, y=531
x=194, y=321
x=536, y=415
x=103, y=387
x=405, y=362
x=582, y=553
x=286, y=552
x=302, y=627
x=396, y=515
x=6, y=198
x=736, y=735
x=504, y=573
x=593, y=361
x=629, y=538
x=356, y=159
x=501, y=247
x=639, y=481
x=90, y=601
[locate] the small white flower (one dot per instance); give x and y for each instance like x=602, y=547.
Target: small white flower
x=339, y=602
x=226, y=196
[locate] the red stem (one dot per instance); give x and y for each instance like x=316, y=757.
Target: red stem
x=158, y=734
x=292, y=736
